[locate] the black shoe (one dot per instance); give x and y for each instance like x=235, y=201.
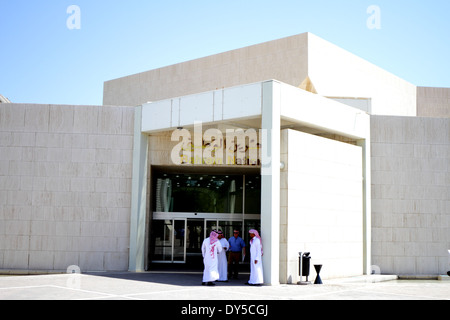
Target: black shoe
x=253, y=284
x=203, y=283
x=210, y=284
x=448, y=273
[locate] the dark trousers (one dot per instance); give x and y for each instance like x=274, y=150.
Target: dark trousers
x=233, y=264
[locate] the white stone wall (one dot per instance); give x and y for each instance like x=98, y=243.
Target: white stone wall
x=333, y=71
x=433, y=102
x=410, y=195
x=65, y=186
x=336, y=72
x=284, y=60
x=321, y=205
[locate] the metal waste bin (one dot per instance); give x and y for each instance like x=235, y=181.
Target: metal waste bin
x=306, y=265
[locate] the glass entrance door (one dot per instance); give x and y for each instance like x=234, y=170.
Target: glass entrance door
x=169, y=241
x=179, y=247
x=226, y=226
x=194, y=241
x=180, y=240
x=162, y=240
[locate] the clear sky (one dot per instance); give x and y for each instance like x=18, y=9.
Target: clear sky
x=42, y=60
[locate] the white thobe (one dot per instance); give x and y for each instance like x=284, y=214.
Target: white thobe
x=223, y=262
x=210, y=254
x=256, y=269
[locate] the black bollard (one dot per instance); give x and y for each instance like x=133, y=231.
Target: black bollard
x=318, y=267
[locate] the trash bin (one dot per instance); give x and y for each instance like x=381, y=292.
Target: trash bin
x=306, y=265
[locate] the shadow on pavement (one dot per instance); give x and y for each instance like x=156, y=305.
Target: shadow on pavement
x=173, y=275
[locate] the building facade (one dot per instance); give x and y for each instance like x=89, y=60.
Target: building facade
x=336, y=157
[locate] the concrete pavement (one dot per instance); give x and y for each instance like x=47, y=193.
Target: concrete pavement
x=184, y=286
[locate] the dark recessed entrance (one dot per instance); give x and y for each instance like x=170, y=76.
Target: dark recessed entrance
x=188, y=206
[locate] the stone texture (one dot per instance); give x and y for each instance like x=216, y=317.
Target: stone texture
x=65, y=186
x=410, y=194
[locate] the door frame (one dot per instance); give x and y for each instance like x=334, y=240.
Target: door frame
x=173, y=237
x=206, y=217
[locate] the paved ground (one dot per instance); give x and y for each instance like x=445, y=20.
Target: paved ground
x=187, y=286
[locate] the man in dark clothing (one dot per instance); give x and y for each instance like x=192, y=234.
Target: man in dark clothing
x=237, y=247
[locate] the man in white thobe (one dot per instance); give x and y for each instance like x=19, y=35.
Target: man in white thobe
x=223, y=261
x=256, y=253
x=211, y=248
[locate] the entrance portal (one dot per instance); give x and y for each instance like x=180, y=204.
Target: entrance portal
x=179, y=241
x=188, y=206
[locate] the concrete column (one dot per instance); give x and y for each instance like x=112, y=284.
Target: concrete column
x=270, y=187
x=138, y=196
x=367, y=205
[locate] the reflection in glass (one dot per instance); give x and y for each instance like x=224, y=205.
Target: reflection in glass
x=162, y=240
x=200, y=193
x=178, y=247
x=228, y=227
x=252, y=194
x=210, y=226
x=194, y=240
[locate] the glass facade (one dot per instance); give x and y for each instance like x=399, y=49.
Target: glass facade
x=226, y=202
x=208, y=193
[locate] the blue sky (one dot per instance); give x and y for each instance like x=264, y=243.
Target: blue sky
x=43, y=61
